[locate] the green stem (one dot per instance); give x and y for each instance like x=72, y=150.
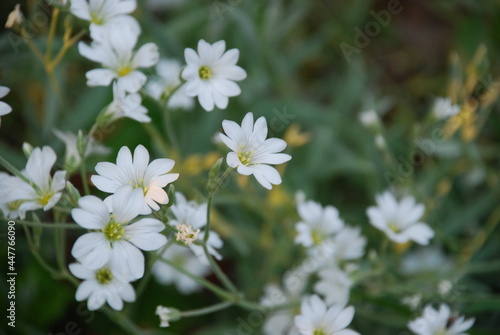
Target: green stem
x=37, y=255
x=83, y=174
x=206, y=310
x=217, y=270
x=9, y=167
x=223, y=294
x=50, y=40
x=157, y=138
x=125, y=323
x=144, y=281
x=168, y=125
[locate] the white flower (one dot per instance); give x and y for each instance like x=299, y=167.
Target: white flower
x=211, y=74
x=440, y=322
x=400, y=220
x=44, y=190
x=103, y=13
x=334, y=284
x=214, y=242
x=15, y=17
x=188, y=212
x=430, y=259
x=73, y=159
x=115, y=53
x=126, y=105
x=349, y=244
x=151, y=178
x=9, y=204
x=114, y=238
x=186, y=233
x=184, y=258
x=168, y=79
x=443, y=108
x=368, y=118
x=412, y=301
x=164, y=315
x=317, y=224
x=251, y=152
x=100, y=286
x=4, y=108
x=279, y=322
x=317, y=319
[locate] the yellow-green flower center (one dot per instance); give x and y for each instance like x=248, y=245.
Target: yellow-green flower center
x=319, y=332
x=124, y=70
x=317, y=237
x=45, y=198
x=245, y=156
x=139, y=184
x=205, y=72
x=14, y=205
x=113, y=231
x=96, y=18
x=103, y=276
x=394, y=227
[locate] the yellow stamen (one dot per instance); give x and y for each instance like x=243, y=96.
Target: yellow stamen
x=205, y=72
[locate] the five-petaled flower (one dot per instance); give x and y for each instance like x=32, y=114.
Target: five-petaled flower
x=211, y=73
x=252, y=152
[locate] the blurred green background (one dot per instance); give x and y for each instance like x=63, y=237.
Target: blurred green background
x=297, y=74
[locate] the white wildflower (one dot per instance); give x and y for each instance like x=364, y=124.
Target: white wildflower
x=136, y=171
x=440, y=322
x=115, y=239
x=252, y=152
x=100, y=286
x=211, y=74
x=400, y=220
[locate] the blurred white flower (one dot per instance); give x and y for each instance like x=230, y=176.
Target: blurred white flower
x=151, y=178
x=430, y=259
x=4, y=108
x=15, y=17
x=214, y=242
x=400, y=220
x=72, y=158
x=103, y=13
x=317, y=318
x=164, y=315
x=114, y=239
x=317, y=223
x=168, y=79
x=44, y=190
x=186, y=233
x=440, y=322
x=349, y=244
x=115, y=52
x=279, y=322
x=412, y=301
x=252, y=152
x=9, y=202
x=444, y=287
x=188, y=212
x=334, y=285
x=443, y=108
x=368, y=118
x=211, y=74
x=100, y=286
x=126, y=105
x=184, y=258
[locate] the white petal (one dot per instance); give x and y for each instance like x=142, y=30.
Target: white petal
x=92, y=214
x=127, y=261
x=81, y=271
x=92, y=250
x=80, y=8
x=100, y=77
x=144, y=234
x=132, y=82
x=147, y=55
x=85, y=289
x=127, y=203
